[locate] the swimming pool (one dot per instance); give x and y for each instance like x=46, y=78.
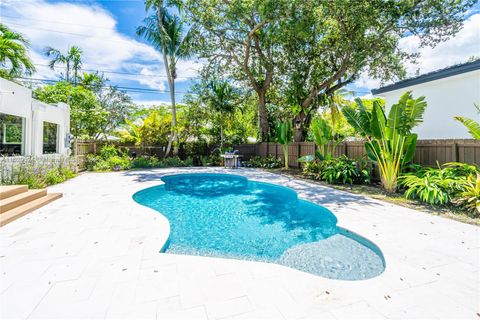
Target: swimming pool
x=223, y=215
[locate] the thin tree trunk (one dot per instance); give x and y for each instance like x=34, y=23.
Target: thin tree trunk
x=262, y=116
x=67, y=73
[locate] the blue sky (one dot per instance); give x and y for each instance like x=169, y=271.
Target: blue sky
x=105, y=30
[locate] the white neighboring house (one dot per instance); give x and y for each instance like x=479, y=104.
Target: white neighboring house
x=30, y=127
x=449, y=92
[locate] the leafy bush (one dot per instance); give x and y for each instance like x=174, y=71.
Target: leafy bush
x=171, y=162
x=211, y=160
x=145, y=162
x=269, y=162
x=154, y=162
x=469, y=197
x=109, y=151
x=339, y=170
x=434, y=185
x=110, y=158
x=312, y=168
x=117, y=163
x=430, y=188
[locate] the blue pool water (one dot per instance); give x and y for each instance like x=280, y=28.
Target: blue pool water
x=230, y=216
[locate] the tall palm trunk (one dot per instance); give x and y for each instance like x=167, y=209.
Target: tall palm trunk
x=171, y=83
x=67, y=72
x=173, y=140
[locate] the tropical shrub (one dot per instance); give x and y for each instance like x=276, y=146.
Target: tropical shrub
x=269, y=162
x=117, y=163
x=211, y=160
x=312, y=169
x=324, y=138
x=174, y=162
x=145, y=162
x=454, y=183
x=341, y=170
x=433, y=186
x=389, y=141
x=469, y=197
x=110, y=158
x=154, y=162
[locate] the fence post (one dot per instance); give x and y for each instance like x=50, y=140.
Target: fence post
x=299, y=152
x=454, y=152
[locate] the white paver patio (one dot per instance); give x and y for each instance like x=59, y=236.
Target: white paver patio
x=95, y=254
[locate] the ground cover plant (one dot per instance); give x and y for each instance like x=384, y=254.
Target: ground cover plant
x=36, y=172
x=268, y=162
x=341, y=170
x=455, y=184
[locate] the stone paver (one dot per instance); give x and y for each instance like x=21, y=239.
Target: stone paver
x=95, y=254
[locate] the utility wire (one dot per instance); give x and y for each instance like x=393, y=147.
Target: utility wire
x=130, y=89
x=119, y=72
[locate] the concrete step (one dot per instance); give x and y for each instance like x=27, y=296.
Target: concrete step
x=22, y=210
x=20, y=199
x=9, y=191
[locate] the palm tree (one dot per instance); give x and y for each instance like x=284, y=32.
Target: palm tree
x=13, y=53
x=166, y=33
x=72, y=61
x=221, y=98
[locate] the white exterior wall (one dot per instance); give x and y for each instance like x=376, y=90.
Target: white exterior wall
x=446, y=98
x=17, y=100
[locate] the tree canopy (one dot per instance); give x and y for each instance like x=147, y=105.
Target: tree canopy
x=307, y=49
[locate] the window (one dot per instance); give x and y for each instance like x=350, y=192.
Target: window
x=50, y=137
x=11, y=135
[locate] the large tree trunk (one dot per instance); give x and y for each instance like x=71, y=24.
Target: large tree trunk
x=262, y=116
x=301, y=123
x=298, y=126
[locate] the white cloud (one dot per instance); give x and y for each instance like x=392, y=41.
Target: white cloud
x=458, y=49
x=151, y=81
x=92, y=28
x=151, y=103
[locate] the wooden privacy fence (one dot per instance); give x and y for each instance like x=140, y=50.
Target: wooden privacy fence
x=81, y=148
x=428, y=152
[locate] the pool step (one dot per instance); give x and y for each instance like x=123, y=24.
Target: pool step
x=17, y=201
x=9, y=191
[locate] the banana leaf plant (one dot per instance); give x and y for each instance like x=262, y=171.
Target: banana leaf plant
x=389, y=141
x=324, y=139
x=472, y=126
x=285, y=137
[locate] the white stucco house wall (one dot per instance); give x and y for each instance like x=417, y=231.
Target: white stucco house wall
x=449, y=92
x=30, y=127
